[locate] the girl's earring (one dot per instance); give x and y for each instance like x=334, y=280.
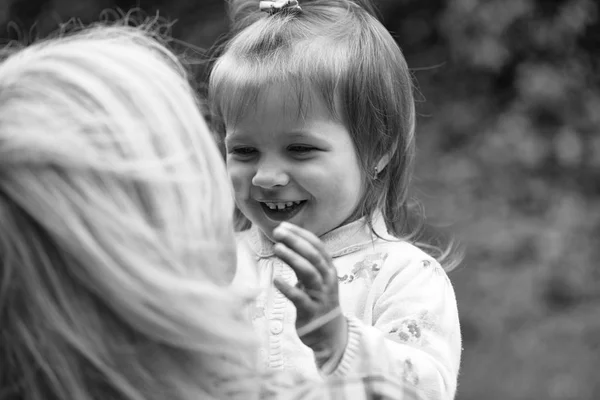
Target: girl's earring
x=376, y=172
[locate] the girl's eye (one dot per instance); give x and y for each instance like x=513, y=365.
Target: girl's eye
x=301, y=149
x=243, y=151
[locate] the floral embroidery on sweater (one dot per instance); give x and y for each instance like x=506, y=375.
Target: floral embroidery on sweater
x=410, y=375
x=369, y=266
x=406, y=371
x=260, y=307
x=437, y=268
x=259, y=312
x=410, y=330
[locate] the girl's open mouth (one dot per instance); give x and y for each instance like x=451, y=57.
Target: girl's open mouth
x=282, y=211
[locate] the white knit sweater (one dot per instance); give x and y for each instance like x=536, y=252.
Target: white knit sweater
x=400, y=304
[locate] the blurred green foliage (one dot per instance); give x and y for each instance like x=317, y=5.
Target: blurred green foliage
x=509, y=151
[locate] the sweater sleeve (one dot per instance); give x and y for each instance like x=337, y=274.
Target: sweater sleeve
x=415, y=332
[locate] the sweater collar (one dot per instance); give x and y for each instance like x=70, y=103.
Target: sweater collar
x=343, y=240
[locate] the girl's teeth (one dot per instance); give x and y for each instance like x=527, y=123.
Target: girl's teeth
x=281, y=206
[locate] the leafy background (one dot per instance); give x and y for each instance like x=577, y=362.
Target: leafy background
x=509, y=152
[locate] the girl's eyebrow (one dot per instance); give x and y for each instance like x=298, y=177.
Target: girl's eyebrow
x=304, y=137
x=234, y=135
x=241, y=136
x=237, y=134
x=317, y=138
x=300, y=134
x=304, y=134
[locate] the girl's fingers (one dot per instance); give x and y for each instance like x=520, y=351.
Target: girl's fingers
x=309, y=237
x=296, y=296
x=296, y=239
x=305, y=271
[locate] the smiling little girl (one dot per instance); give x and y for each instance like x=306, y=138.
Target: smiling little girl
x=317, y=116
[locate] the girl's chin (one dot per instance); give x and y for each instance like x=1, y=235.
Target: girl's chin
x=268, y=226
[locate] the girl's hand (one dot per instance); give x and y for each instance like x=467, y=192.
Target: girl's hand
x=319, y=321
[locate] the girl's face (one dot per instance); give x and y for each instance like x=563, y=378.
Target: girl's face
x=286, y=166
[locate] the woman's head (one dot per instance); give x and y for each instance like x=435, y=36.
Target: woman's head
x=115, y=227
x=336, y=56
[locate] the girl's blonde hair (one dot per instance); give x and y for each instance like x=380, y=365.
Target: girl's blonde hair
x=339, y=50
x=116, y=238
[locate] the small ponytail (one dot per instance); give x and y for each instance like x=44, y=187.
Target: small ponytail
x=243, y=13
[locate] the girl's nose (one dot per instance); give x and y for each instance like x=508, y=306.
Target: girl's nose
x=269, y=175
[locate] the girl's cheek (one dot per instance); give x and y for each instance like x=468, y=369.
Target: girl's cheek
x=238, y=181
x=240, y=175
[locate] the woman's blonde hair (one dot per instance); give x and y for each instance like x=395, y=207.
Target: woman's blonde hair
x=116, y=238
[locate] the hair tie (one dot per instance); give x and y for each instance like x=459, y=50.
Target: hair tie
x=273, y=7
